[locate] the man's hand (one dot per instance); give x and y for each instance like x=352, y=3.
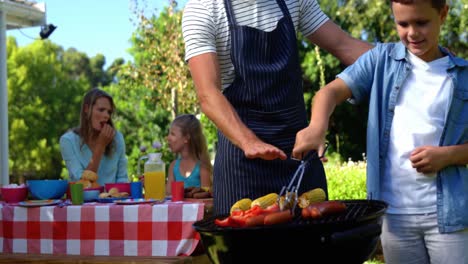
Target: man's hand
x=262, y=150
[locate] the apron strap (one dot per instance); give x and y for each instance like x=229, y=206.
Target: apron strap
x=230, y=13
x=232, y=19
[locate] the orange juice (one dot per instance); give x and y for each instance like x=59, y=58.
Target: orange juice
x=155, y=185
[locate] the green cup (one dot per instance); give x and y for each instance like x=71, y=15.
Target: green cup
x=76, y=191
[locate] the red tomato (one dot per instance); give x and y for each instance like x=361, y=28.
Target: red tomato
x=238, y=220
x=255, y=210
x=224, y=222
x=238, y=212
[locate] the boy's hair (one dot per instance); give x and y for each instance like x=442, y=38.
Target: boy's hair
x=190, y=126
x=85, y=129
x=437, y=4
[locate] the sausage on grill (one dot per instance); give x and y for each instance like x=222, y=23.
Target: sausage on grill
x=321, y=209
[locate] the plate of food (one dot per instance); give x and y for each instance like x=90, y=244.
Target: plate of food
x=202, y=200
x=33, y=203
x=111, y=199
x=138, y=201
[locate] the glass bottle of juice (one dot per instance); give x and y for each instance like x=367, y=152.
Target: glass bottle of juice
x=155, y=177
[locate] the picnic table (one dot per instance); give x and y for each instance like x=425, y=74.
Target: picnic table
x=101, y=229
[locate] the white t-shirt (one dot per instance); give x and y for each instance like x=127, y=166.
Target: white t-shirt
x=419, y=120
x=205, y=26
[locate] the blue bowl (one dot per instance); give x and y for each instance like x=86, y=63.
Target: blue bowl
x=47, y=189
x=90, y=195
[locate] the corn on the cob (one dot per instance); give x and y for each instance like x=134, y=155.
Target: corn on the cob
x=283, y=205
x=265, y=200
x=242, y=204
x=312, y=196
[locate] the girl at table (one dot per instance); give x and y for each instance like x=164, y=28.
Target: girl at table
x=192, y=165
x=94, y=152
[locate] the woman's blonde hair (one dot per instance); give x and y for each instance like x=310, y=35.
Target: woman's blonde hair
x=190, y=126
x=85, y=129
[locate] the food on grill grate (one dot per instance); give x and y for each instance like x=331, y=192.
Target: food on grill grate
x=322, y=209
x=310, y=197
x=254, y=216
x=353, y=233
x=265, y=200
x=283, y=204
x=276, y=218
x=257, y=220
x=242, y=204
x=245, y=208
x=356, y=211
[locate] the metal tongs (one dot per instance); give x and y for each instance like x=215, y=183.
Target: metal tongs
x=290, y=191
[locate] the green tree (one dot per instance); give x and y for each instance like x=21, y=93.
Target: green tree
x=370, y=21
x=46, y=84
x=157, y=86
x=158, y=50
x=45, y=87
x=43, y=100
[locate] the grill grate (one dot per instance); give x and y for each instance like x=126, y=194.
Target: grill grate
x=357, y=211
x=354, y=234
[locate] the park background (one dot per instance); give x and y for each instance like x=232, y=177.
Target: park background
x=46, y=83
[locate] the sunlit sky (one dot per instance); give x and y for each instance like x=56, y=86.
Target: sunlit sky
x=91, y=26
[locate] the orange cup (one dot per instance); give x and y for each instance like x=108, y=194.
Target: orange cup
x=177, y=191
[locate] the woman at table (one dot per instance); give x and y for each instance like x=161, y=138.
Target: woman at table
x=94, y=151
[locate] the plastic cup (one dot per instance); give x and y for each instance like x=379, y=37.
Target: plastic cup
x=177, y=191
x=136, y=190
x=76, y=191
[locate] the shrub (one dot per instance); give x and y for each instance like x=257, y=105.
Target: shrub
x=346, y=180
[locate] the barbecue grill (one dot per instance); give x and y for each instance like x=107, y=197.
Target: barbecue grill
x=349, y=237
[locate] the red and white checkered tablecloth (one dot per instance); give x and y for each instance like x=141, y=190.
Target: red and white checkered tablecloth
x=101, y=229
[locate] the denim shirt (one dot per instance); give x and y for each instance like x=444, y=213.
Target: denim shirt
x=111, y=169
x=376, y=78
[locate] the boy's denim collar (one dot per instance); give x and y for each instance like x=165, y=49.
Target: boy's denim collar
x=457, y=61
x=399, y=53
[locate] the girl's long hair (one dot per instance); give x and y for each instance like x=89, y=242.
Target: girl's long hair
x=85, y=129
x=190, y=126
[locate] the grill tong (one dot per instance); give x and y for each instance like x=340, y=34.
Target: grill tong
x=290, y=191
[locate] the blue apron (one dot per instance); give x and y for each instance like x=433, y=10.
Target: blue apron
x=267, y=95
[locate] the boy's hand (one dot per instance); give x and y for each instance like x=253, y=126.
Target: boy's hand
x=428, y=159
x=308, y=139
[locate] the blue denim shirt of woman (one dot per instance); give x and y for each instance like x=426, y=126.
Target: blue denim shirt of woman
x=376, y=77
x=76, y=156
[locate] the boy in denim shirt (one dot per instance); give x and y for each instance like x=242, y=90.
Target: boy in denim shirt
x=417, y=135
